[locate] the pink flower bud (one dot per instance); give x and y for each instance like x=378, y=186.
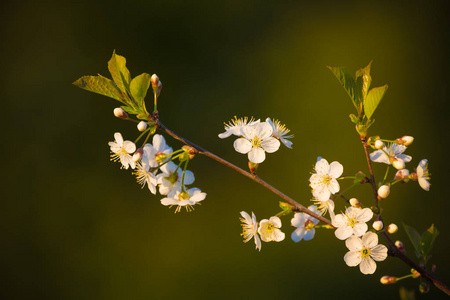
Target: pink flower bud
x=392, y=228
x=138, y=155
x=405, y=140
x=388, y=280
x=384, y=191
x=379, y=144
x=120, y=113
x=142, y=126
x=398, y=163
x=155, y=81
x=415, y=274
x=355, y=203
x=400, y=246
x=377, y=225
x=402, y=174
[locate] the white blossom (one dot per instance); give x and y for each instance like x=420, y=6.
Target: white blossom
x=280, y=132
x=122, y=150
x=257, y=139
x=352, y=222
x=392, y=152
x=268, y=230
x=364, y=252
x=146, y=177
x=170, y=180
x=186, y=199
x=324, y=181
x=305, y=225
x=250, y=228
x=155, y=154
x=235, y=126
x=423, y=175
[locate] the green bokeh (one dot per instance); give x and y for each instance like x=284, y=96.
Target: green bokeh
x=75, y=226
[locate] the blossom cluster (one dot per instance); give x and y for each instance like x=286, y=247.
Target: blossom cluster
x=256, y=137
x=268, y=229
x=154, y=166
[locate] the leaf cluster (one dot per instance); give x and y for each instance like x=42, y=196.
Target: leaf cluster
x=423, y=243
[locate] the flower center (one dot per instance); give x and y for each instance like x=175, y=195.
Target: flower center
x=160, y=157
x=172, y=178
x=351, y=221
x=256, y=141
x=122, y=151
x=309, y=225
x=365, y=252
x=183, y=196
x=326, y=179
x=270, y=228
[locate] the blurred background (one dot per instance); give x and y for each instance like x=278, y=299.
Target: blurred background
x=75, y=226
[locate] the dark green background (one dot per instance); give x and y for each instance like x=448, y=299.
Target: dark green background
x=75, y=226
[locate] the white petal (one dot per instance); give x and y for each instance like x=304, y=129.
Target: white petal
x=256, y=155
x=248, y=132
x=263, y=130
x=424, y=184
x=298, y=234
x=257, y=242
x=159, y=143
x=379, y=252
x=309, y=234
x=242, y=145
x=188, y=177
x=370, y=239
x=336, y=169
x=339, y=220
x=130, y=147
x=359, y=229
x=334, y=186
x=275, y=221
x=405, y=158
x=298, y=220
x=286, y=142
x=365, y=215
x=379, y=157
x=270, y=144
x=324, y=195
x=343, y=232
x=315, y=179
x=279, y=235
x=367, y=266
x=352, y=258
x=118, y=138
x=322, y=167
x=225, y=134
x=246, y=217
x=354, y=243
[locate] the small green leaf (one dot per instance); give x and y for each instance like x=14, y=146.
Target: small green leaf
x=363, y=80
x=427, y=239
x=142, y=116
x=129, y=110
x=354, y=119
x=373, y=99
x=138, y=87
x=348, y=82
x=100, y=85
x=415, y=238
x=119, y=73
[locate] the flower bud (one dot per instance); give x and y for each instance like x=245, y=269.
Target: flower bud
x=400, y=246
x=398, y=163
x=402, y=174
x=415, y=274
x=142, y=126
x=120, y=113
x=388, y=280
x=383, y=192
x=355, y=203
x=155, y=81
x=405, y=140
x=252, y=167
x=392, y=228
x=189, y=150
x=377, y=225
x=138, y=155
x=424, y=287
x=379, y=144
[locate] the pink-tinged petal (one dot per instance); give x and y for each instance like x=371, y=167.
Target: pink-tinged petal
x=256, y=155
x=370, y=239
x=354, y=243
x=405, y=158
x=334, y=186
x=343, y=232
x=339, y=221
x=336, y=169
x=248, y=132
x=359, y=229
x=225, y=134
x=367, y=266
x=270, y=144
x=379, y=157
x=130, y=147
x=257, y=242
x=379, y=252
x=278, y=235
x=159, y=143
x=424, y=184
x=352, y=258
x=309, y=234
x=188, y=177
x=275, y=221
x=365, y=215
x=322, y=167
x=298, y=234
x=298, y=220
x=287, y=143
x=242, y=145
x=118, y=138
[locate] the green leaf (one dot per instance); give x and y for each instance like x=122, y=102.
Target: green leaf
x=363, y=80
x=129, y=110
x=354, y=119
x=138, y=87
x=100, y=85
x=415, y=238
x=119, y=73
x=151, y=127
x=373, y=99
x=427, y=239
x=142, y=116
x=348, y=82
